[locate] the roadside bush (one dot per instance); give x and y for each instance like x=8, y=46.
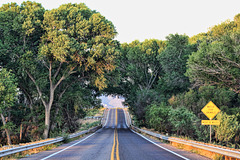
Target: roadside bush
x=183, y=121
x=228, y=128
x=157, y=117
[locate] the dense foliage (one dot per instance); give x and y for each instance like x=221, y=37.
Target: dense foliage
x=190, y=73
x=60, y=60
x=8, y=92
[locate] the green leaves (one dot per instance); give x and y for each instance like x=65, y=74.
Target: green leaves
x=157, y=116
x=228, y=128
x=140, y=70
x=56, y=48
x=8, y=89
x=217, y=63
x=81, y=37
x=173, y=62
x=195, y=100
x=182, y=120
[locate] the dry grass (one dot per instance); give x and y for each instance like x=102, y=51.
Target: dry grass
x=219, y=146
x=85, y=121
x=23, y=144
x=100, y=112
x=30, y=152
x=202, y=152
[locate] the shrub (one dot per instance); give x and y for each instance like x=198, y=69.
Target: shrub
x=157, y=117
x=183, y=121
x=228, y=128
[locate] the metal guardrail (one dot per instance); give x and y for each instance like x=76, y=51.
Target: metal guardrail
x=94, y=117
x=40, y=144
x=56, y=140
x=222, y=151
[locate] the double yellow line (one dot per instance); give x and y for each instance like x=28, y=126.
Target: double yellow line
x=115, y=141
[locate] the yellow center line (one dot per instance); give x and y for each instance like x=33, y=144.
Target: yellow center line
x=117, y=149
x=113, y=148
x=115, y=140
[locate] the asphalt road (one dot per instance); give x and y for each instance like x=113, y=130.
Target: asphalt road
x=115, y=141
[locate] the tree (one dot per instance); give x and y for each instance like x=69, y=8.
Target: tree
x=195, y=100
x=20, y=30
x=139, y=71
x=8, y=92
x=217, y=63
x=78, y=42
x=197, y=38
x=59, y=46
x=217, y=60
x=173, y=61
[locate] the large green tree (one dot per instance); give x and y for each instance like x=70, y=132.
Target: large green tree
x=20, y=30
x=217, y=63
x=139, y=70
x=8, y=92
x=173, y=61
x=61, y=46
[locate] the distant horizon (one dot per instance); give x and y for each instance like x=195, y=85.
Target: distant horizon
x=111, y=101
x=140, y=20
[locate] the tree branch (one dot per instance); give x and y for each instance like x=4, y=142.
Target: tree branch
x=59, y=81
x=57, y=72
x=50, y=74
x=38, y=89
x=64, y=77
x=69, y=85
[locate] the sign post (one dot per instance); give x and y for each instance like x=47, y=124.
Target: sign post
x=210, y=110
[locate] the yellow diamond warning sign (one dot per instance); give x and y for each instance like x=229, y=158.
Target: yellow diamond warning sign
x=211, y=110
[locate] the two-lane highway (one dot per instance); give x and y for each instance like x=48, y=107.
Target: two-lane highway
x=114, y=141
x=134, y=147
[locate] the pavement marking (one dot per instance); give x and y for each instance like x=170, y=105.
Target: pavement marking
x=68, y=147
x=125, y=119
x=117, y=149
x=160, y=146
x=115, y=140
x=154, y=142
x=113, y=147
x=107, y=118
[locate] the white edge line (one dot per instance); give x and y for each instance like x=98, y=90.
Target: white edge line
x=159, y=145
x=107, y=118
x=125, y=118
x=68, y=147
x=154, y=142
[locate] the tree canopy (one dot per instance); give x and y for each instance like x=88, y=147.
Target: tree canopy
x=61, y=60
x=56, y=47
x=8, y=93
x=217, y=60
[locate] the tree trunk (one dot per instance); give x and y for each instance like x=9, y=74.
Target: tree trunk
x=47, y=112
x=7, y=131
x=47, y=122
x=51, y=97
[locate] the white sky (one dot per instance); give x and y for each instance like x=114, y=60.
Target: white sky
x=145, y=19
